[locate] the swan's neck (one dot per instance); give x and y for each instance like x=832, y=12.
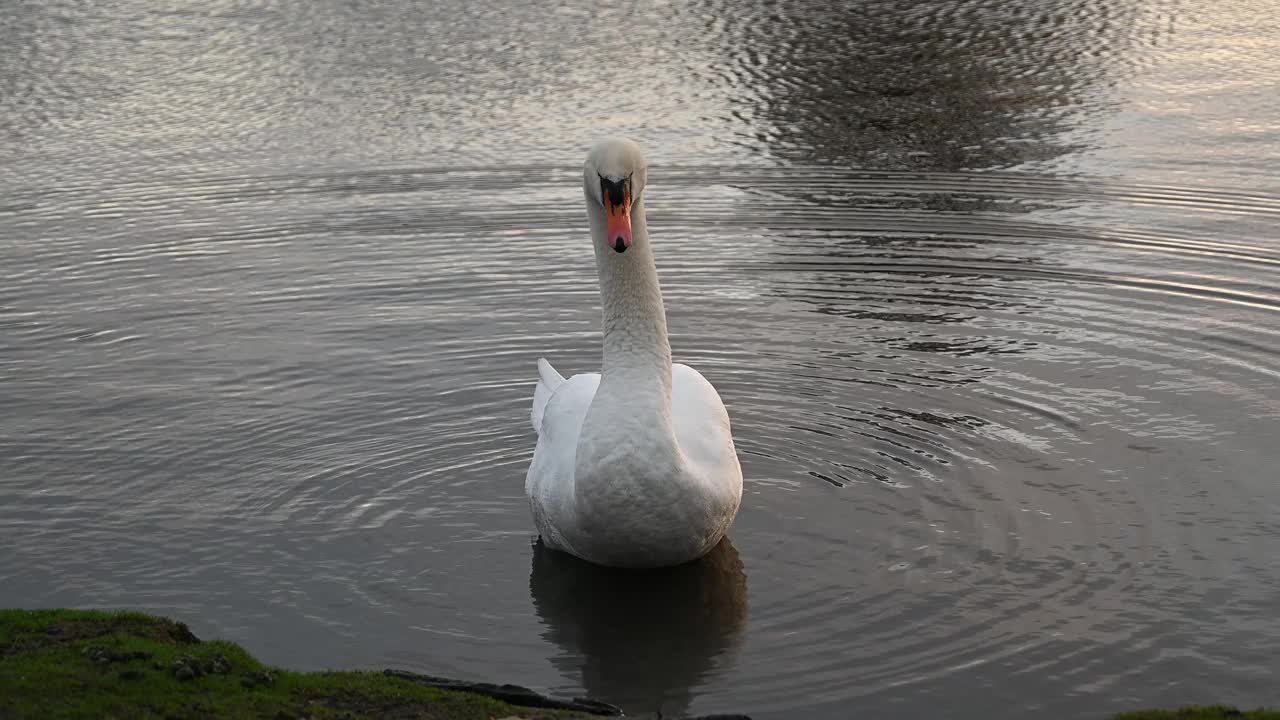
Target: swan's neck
x=628, y=460
x=637, y=355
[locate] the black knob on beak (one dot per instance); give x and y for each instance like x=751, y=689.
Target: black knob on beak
x=619, y=245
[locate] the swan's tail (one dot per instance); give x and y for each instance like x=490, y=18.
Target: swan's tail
x=548, y=381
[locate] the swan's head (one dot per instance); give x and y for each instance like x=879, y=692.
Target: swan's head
x=613, y=178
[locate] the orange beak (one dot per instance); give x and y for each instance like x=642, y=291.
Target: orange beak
x=619, y=219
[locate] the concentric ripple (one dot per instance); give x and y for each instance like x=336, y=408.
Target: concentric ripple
x=999, y=447
x=989, y=287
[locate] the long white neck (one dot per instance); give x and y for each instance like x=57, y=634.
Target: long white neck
x=636, y=351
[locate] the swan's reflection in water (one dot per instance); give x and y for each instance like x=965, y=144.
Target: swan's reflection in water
x=643, y=640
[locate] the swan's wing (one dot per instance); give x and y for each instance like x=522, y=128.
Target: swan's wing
x=565, y=410
x=559, y=409
x=702, y=424
x=549, y=482
x=548, y=381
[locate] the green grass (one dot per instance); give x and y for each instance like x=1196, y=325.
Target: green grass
x=57, y=664
x=1207, y=712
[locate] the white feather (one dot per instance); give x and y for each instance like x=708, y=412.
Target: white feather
x=548, y=381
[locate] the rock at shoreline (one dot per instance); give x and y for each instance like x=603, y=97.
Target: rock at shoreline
x=220, y=665
x=257, y=678
x=103, y=655
x=513, y=694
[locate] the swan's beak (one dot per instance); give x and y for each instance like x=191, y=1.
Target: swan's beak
x=617, y=209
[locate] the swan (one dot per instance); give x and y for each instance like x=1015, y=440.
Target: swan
x=635, y=465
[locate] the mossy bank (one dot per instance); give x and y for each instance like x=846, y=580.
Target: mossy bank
x=86, y=664
x=62, y=664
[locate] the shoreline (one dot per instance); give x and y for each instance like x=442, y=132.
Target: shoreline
x=61, y=663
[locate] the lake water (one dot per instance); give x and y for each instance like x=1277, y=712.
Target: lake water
x=989, y=288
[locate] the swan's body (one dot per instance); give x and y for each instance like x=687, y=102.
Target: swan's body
x=634, y=466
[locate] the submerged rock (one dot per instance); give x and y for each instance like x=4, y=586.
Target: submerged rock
x=524, y=697
x=513, y=694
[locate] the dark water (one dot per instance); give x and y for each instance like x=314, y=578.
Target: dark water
x=990, y=289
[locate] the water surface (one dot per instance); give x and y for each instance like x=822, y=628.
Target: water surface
x=989, y=289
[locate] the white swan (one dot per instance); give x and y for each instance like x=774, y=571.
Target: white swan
x=635, y=466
